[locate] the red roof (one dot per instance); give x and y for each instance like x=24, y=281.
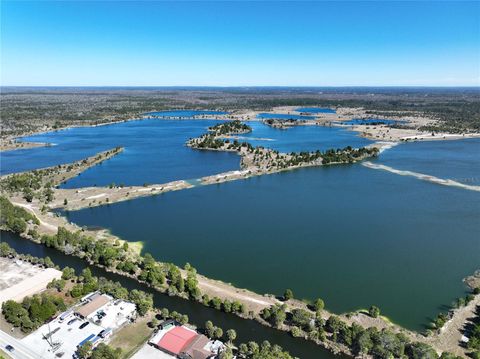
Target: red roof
x=176, y=339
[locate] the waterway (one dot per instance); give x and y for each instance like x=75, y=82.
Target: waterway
x=351, y=235
x=198, y=314
x=155, y=152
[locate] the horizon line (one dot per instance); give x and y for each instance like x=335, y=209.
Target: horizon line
x=240, y=86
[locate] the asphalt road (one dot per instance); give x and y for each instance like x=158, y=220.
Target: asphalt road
x=21, y=351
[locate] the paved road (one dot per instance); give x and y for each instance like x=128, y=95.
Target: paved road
x=21, y=350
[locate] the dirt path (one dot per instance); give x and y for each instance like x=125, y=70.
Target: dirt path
x=252, y=301
x=51, y=228
x=451, y=333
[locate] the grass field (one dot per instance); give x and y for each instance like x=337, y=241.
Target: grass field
x=131, y=337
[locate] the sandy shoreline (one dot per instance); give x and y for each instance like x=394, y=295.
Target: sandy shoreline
x=94, y=196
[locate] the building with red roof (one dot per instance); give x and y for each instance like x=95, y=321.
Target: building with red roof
x=182, y=342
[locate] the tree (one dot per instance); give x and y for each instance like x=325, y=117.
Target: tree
x=28, y=194
x=231, y=335
x=68, y=273
x=104, y=351
x=58, y=284
x=154, y=322
x=49, y=195
x=18, y=225
x=209, y=329
x=421, y=351
x=84, y=350
x=374, y=311
x=302, y=318
x=447, y=355
x=296, y=332
x=218, y=332
x=288, y=294
x=227, y=353
x=334, y=325
x=142, y=300
x=318, y=305
x=183, y=319
x=275, y=315
x=165, y=313
x=5, y=249
x=76, y=291
x=48, y=262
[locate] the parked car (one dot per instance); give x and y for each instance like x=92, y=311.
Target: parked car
x=9, y=348
x=83, y=325
x=72, y=321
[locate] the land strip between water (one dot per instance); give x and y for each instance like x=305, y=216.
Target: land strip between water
x=255, y=161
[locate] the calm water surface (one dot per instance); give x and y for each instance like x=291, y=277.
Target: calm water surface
x=456, y=160
x=198, y=314
x=351, y=235
x=302, y=138
x=155, y=152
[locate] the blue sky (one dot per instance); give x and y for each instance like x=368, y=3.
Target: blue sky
x=240, y=43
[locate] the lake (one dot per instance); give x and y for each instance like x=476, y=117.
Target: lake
x=349, y=234
x=155, y=152
x=302, y=138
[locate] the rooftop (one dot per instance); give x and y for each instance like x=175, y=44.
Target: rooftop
x=96, y=302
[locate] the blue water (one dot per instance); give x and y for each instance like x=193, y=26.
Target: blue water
x=368, y=121
x=302, y=138
x=315, y=110
x=283, y=116
x=184, y=113
x=456, y=160
x=155, y=152
x=351, y=235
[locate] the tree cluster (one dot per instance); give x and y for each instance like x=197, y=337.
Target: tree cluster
x=33, y=311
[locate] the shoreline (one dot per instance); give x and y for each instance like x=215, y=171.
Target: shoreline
x=49, y=224
x=441, y=341
x=373, y=132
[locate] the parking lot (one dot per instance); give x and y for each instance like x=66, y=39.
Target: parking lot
x=61, y=337
x=68, y=336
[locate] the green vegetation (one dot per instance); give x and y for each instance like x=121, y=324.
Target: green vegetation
x=14, y=218
x=39, y=184
x=371, y=341
x=288, y=294
x=374, y=311
x=267, y=159
x=440, y=320
x=33, y=311
x=474, y=335
x=26, y=110
x=230, y=128
x=275, y=315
